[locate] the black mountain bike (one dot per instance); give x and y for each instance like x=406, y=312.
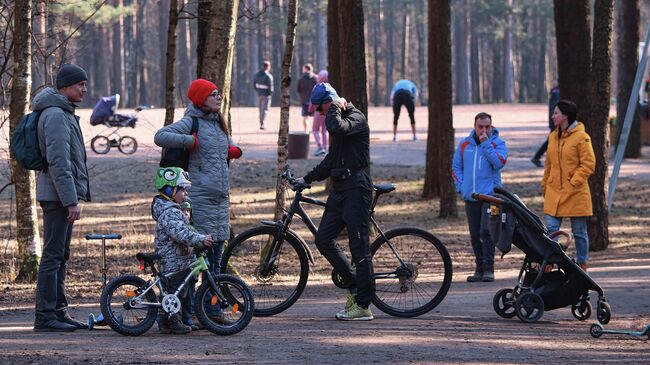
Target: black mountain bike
x=412, y=268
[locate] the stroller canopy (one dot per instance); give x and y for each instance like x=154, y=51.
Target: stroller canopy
x=104, y=113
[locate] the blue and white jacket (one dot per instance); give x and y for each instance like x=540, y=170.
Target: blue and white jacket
x=477, y=168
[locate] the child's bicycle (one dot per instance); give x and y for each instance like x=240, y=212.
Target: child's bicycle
x=130, y=304
x=412, y=268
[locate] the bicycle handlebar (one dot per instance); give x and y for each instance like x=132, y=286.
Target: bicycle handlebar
x=487, y=198
x=111, y=236
x=287, y=174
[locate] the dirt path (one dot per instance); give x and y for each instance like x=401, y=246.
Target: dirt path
x=463, y=329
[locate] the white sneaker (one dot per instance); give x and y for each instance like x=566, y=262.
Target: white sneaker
x=394, y=139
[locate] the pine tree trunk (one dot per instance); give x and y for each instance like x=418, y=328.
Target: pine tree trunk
x=627, y=44
x=461, y=37
x=440, y=139
x=118, y=56
x=353, y=55
x=540, y=94
x=598, y=126
x=27, y=235
x=170, y=60
x=333, y=50
x=422, y=44
x=40, y=41
x=389, y=7
x=321, y=39
x=285, y=104
x=508, y=71
x=217, y=52
x=573, y=42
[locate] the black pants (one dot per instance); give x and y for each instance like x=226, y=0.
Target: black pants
x=50, y=286
x=403, y=97
x=482, y=244
x=542, y=150
x=349, y=209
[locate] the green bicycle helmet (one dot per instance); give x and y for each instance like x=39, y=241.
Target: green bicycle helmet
x=168, y=179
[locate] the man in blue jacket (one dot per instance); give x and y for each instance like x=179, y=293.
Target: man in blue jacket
x=476, y=168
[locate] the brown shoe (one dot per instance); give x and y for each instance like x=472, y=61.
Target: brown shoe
x=583, y=266
x=476, y=277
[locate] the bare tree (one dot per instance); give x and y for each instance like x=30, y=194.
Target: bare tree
x=170, y=60
x=627, y=58
x=598, y=124
x=440, y=139
x=216, y=44
x=27, y=236
x=352, y=53
x=285, y=103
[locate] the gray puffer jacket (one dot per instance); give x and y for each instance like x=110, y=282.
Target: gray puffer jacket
x=62, y=144
x=208, y=168
x=174, y=236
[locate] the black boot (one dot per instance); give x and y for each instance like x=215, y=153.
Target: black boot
x=64, y=317
x=176, y=325
x=52, y=325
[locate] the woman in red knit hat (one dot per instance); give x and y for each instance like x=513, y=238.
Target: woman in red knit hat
x=210, y=150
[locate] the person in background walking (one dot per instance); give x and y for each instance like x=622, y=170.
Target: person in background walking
x=318, y=124
x=59, y=190
x=263, y=83
x=553, y=99
x=476, y=168
x=304, y=87
x=404, y=93
x=569, y=163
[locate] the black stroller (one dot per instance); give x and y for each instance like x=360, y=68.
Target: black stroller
x=548, y=279
x=104, y=114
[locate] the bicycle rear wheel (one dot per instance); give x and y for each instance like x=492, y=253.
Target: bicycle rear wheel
x=276, y=290
x=234, y=314
x=418, y=286
x=123, y=311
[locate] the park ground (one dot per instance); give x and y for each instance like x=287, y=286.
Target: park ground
x=462, y=329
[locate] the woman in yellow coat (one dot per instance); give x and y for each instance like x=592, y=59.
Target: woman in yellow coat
x=569, y=163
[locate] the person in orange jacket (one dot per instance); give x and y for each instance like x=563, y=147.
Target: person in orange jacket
x=570, y=161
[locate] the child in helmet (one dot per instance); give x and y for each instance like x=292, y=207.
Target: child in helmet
x=175, y=238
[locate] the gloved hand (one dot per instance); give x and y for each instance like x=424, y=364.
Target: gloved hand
x=340, y=103
x=195, y=142
x=234, y=152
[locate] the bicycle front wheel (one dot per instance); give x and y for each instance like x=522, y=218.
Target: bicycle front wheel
x=276, y=289
x=421, y=283
x=123, y=310
x=229, y=316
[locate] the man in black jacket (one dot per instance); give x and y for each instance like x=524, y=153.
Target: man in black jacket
x=348, y=205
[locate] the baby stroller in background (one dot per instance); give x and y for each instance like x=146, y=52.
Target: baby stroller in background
x=104, y=113
x=548, y=279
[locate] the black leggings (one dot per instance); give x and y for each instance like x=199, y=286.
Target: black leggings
x=403, y=97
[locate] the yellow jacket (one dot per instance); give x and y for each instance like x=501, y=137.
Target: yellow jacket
x=569, y=163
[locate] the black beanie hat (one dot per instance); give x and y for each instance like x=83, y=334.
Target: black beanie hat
x=70, y=74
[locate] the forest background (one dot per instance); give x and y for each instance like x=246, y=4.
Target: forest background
x=503, y=51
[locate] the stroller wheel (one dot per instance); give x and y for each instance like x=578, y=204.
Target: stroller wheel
x=127, y=145
x=581, y=310
x=596, y=330
x=503, y=303
x=529, y=307
x=603, y=312
x=100, y=145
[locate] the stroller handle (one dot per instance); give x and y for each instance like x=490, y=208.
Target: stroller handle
x=569, y=238
x=487, y=198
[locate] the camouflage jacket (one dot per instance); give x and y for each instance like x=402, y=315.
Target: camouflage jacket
x=174, y=236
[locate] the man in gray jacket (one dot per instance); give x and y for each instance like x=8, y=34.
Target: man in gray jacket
x=59, y=190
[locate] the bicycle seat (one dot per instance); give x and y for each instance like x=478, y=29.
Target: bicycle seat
x=384, y=188
x=147, y=257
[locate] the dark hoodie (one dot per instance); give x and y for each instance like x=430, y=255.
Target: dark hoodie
x=62, y=144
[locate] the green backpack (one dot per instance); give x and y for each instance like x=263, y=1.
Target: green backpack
x=24, y=143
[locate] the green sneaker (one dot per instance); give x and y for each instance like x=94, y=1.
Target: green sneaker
x=349, y=302
x=355, y=313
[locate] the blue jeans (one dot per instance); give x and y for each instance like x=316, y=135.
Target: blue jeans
x=580, y=235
